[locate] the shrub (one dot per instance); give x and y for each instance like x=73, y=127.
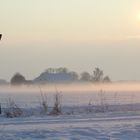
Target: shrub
x=12, y=110
x=56, y=110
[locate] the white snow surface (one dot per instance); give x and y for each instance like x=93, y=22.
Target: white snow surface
x=120, y=121
x=72, y=127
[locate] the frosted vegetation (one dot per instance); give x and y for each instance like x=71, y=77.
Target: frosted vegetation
x=70, y=99
x=71, y=112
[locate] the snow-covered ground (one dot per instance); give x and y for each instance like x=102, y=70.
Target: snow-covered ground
x=77, y=127
x=82, y=116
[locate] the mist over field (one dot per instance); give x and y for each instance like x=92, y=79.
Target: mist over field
x=85, y=86
x=73, y=94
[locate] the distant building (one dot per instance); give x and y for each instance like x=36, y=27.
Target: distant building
x=59, y=75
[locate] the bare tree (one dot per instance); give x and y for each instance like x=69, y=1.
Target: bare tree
x=97, y=75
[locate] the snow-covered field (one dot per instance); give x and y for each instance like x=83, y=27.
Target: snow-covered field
x=77, y=127
x=80, y=119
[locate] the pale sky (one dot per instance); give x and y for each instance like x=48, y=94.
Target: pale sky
x=77, y=34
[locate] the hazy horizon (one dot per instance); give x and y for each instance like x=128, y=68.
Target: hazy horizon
x=76, y=34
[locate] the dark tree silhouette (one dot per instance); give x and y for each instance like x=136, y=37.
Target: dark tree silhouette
x=106, y=79
x=85, y=76
x=97, y=75
x=18, y=79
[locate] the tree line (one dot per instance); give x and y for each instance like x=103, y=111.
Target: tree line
x=97, y=76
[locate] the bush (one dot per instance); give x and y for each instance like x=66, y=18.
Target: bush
x=57, y=105
x=12, y=110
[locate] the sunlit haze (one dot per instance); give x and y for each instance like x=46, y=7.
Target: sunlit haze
x=77, y=34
